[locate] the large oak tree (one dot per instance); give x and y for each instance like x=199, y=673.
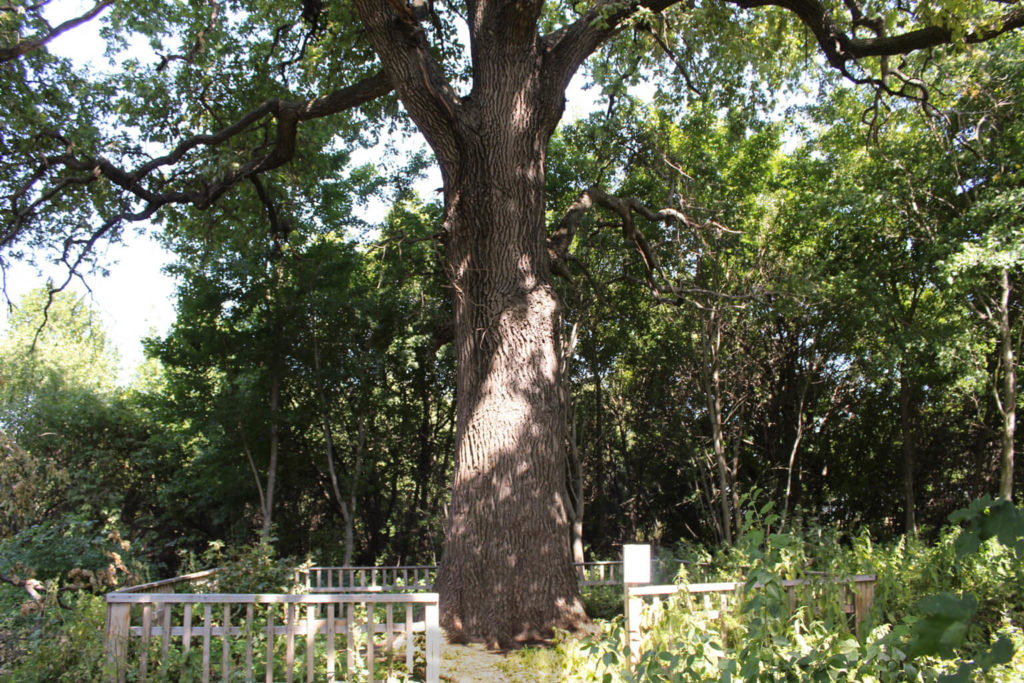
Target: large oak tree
x=232, y=84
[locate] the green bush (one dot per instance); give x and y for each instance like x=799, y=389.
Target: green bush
x=253, y=568
x=63, y=645
x=56, y=548
x=602, y=602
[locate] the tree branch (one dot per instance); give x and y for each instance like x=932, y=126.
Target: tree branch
x=568, y=47
x=419, y=80
x=141, y=201
x=70, y=170
x=840, y=48
x=287, y=113
x=661, y=286
x=23, y=47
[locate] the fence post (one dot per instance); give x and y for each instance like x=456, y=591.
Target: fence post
x=636, y=571
x=433, y=642
x=863, y=597
x=116, y=645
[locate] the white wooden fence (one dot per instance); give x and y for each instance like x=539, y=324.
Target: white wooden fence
x=421, y=577
x=323, y=631
x=367, y=579
x=609, y=573
x=599, y=573
x=716, y=599
x=324, y=636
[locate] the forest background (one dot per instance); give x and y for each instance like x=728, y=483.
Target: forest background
x=818, y=302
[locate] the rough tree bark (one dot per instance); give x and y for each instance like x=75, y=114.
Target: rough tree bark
x=510, y=429
x=506, y=574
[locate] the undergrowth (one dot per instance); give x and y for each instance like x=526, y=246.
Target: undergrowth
x=947, y=610
x=950, y=610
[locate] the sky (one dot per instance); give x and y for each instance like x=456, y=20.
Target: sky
x=136, y=299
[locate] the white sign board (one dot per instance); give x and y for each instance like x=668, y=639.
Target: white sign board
x=636, y=563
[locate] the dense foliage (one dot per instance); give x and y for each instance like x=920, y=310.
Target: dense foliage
x=814, y=294
x=947, y=611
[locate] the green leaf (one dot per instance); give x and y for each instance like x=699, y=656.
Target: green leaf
x=962, y=675
x=728, y=669
x=949, y=606
x=751, y=667
x=943, y=626
x=1001, y=652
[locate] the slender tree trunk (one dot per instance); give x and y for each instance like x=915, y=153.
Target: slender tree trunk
x=737, y=517
x=274, y=446
x=416, y=509
x=343, y=506
x=575, y=482
x=597, y=450
x=348, y=508
x=907, y=435
x=711, y=379
x=797, y=438
x=574, y=462
x=1008, y=400
x=252, y=467
x=577, y=534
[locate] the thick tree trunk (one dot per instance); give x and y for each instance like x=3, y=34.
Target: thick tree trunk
x=507, y=573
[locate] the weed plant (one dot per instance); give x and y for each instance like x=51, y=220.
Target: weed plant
x=950, y=610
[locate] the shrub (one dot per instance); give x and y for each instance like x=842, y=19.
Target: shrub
x=945, y=611
x=63, y=645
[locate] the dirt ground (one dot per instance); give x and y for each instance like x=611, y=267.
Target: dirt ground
x=473, y=663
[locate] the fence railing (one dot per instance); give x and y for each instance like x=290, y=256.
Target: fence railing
x=367, y=579
x=421, y=577
x=599, y=573
x=205, y=581
x=272, y=637
x=609, y=573
x=856, y=594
